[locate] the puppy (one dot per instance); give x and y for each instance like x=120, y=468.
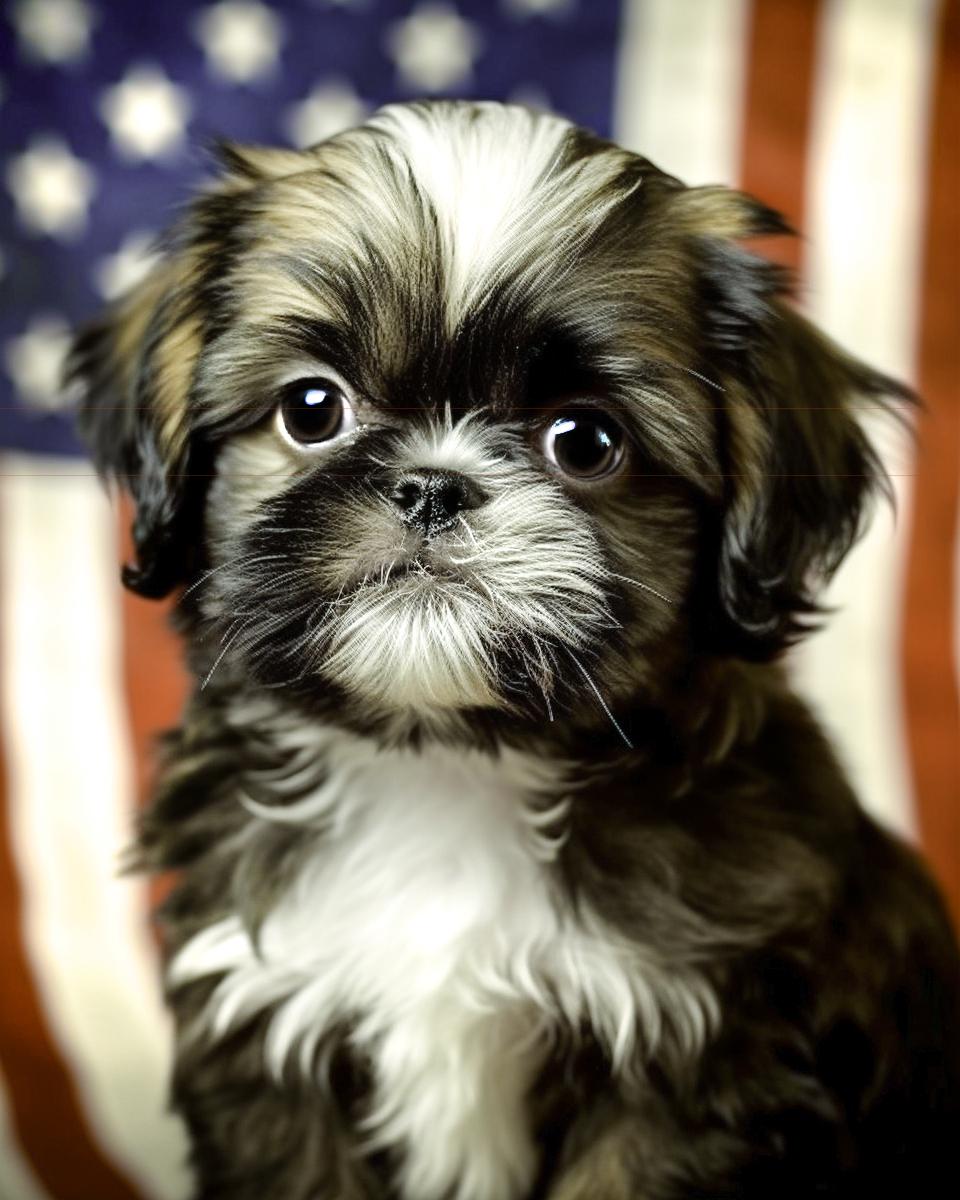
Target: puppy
x=496, y=475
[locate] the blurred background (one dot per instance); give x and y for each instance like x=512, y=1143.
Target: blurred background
x=843, y=114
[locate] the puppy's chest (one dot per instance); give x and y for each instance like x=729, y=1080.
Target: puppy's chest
x=431, y=869
x=427, y=919
x=443, y=929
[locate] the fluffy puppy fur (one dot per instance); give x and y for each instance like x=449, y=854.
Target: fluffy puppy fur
x=496, y=475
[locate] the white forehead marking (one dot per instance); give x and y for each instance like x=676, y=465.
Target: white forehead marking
x=493, y=176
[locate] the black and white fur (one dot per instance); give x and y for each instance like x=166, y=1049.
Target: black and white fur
x=508, y=866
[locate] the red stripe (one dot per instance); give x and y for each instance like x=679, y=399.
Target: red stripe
x=927, y=649
x=779, y=100
x=45, y=1111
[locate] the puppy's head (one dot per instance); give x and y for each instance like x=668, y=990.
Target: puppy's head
x=466, y=410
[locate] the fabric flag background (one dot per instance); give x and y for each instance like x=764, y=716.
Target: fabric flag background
x=843, y=114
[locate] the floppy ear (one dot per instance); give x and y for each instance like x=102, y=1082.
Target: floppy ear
x=135, y=366
x=800, y=470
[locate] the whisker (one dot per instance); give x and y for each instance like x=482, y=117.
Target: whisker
x=645, y=586
x=293, y=573
x=229, y=642
x=603, y=703
x=243, y=561
x=703, y=378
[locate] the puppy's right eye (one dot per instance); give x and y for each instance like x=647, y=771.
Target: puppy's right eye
x=315, y=410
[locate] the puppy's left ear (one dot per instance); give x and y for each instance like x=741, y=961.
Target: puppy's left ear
x=800, y=470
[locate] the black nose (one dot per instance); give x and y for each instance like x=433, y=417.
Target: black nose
x=432, y=500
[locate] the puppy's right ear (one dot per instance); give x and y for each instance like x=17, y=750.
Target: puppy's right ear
x=135, y=367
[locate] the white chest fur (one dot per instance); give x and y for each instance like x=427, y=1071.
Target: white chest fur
x=427, y=916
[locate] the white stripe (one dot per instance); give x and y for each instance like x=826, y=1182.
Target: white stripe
x=867, y=166
x=17, y=1181
x=680, y=85
x=71, y=801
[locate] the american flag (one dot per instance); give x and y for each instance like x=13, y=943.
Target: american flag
x=843, y=114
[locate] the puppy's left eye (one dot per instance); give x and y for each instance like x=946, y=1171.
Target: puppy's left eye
x=315, y=410
x=585, y=444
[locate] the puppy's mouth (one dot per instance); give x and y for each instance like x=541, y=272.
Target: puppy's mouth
x=408, y=568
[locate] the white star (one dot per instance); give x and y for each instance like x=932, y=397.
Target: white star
x=51, y=188
x=146, y=114
x=35, y=360
x=118, y=273
x=329, y=108
x=241, y=39
x=434, y=48
x=53, y=31
x=538, y=8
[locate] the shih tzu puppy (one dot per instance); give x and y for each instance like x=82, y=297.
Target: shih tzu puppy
x=495, y=474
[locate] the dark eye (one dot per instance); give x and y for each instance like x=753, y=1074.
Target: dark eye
x=584, y=445
x=315, y=410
